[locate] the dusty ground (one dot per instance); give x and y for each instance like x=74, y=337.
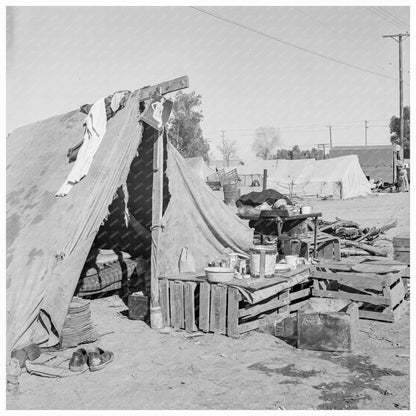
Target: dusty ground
x=155, y=370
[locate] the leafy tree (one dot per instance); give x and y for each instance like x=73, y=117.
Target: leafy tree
x=317, y=153
x=296, y=153
x=265, y=142
x=282, y=154
x=228, y=149
x=184, y=129
x=395, y=131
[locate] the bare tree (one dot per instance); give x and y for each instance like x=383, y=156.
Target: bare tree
x=266, y=140
x=228, y=149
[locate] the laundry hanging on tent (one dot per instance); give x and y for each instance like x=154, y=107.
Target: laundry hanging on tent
x=157, y=113
x=113, y=103
x=95, y=127
x=117, y=100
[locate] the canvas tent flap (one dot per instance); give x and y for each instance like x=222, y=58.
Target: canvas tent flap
x=48, y=239
x=197, y=219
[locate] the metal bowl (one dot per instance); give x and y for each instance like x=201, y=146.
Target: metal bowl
x=219, y=274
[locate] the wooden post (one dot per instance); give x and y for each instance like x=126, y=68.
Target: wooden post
x=264, y=179
x=156, y=318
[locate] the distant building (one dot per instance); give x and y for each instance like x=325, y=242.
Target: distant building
x=377, y=162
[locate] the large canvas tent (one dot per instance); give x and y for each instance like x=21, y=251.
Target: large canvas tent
x=341, y=177
x=48, y=239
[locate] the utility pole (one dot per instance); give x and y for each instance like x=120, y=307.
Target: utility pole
x=330, y=136
x=398, y=38
x=322, y=146
x=366, y=127
x=223, y=148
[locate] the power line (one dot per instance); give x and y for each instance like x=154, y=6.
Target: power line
x=393, y=17
x=379, y=14
x=299, y=126
x=292, y=45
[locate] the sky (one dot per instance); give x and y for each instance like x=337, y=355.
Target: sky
x=59, y=58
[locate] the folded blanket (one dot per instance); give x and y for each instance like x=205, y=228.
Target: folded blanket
x=110, y=274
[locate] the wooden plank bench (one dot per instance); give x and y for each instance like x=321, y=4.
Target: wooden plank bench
x=381, y=294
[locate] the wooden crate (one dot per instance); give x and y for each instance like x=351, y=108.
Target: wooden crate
x=224, y=310
x=328, y=325
x=179, y=301
x=327, y=247
x=401, y=247
x=215, y=186
x=381, y=295
x=228, y=177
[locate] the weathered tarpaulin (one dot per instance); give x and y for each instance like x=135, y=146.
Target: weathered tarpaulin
x=197, y=219
x=48, y=239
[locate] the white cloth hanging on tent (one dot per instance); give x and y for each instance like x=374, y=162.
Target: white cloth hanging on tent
x=95, y=127
x=116, y=100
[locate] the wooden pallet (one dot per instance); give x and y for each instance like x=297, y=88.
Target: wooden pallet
x=381, y=295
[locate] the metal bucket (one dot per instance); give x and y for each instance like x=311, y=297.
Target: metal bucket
x=263, y=261
x=231, y=193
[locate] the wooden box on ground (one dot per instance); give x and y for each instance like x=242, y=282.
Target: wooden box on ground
x=378, y=287
x=401, y=247
x=244, y=305
x=179, y=300
x=327, y=325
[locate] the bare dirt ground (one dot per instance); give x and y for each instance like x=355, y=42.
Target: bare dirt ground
x=154, y=370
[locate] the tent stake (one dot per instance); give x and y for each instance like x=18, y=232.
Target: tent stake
x=156, y=319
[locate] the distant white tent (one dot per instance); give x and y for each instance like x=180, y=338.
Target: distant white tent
x=200, y=167
x=341, y=177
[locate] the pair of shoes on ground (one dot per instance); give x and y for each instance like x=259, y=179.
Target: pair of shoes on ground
x=95, y=360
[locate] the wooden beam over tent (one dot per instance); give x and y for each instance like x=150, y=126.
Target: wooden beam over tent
x=164, y=87
x=156, y=319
